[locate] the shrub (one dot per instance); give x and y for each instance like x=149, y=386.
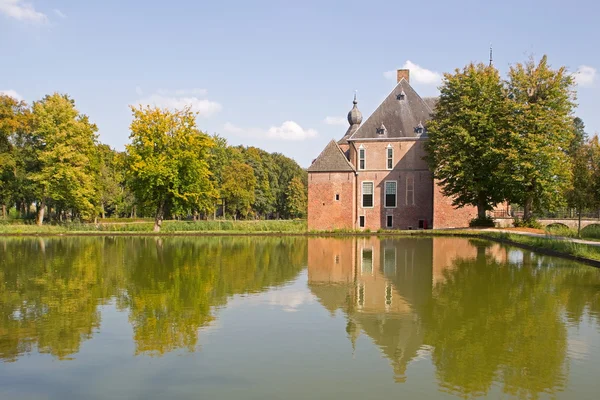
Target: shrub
x=486, y=222
x=527, y=223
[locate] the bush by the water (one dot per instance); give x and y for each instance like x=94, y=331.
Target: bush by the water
x=486, y=222
x=527, y=223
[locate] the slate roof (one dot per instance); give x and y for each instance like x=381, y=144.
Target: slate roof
x=349, y=133
x=400, y=113
x=331, y=159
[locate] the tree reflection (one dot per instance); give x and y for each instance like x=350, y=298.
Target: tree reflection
x=491, y=315
x=50, y=289
x=49, y=295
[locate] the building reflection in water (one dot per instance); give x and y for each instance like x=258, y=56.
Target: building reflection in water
x=462, y=300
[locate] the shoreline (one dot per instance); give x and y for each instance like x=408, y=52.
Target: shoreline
x=556, y=246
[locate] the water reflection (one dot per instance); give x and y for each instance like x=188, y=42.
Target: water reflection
x=489, y=315
x=51, y=289
x=484, y=318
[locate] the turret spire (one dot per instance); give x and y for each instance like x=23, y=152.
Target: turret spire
x=354, y=116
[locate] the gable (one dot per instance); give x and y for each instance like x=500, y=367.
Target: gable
x=397, y=116
x=331, y=159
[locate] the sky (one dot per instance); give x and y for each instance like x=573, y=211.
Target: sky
x=279, y=75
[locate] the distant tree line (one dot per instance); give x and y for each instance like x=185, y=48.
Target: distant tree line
x=513, y=141
x=53, y=166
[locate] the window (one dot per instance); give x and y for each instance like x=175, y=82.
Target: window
x=360, y=298
x=361, y=158
x=390, y=221
x=389, y=261
x=421, y=224
x=361, y=221
x=390, y=157
x=367, y=194
x=410, y=191
x=337, y=197
x=388, y=295
x=390, y=194
x=366, y=266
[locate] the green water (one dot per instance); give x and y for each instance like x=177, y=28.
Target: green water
x=293, y=318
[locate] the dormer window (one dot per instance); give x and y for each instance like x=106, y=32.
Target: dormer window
x=401, y=96
x=381, y=130
x=419, y=129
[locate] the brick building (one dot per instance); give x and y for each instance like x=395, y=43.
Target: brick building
x=375, y=176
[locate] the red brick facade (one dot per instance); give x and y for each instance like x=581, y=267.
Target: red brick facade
x=331, y=200
x=376, y=177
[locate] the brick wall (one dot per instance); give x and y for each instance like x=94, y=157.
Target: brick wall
x=408, y=166
x=324, y=211
x=445, y=215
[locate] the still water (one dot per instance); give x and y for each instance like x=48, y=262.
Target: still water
x=293, y=318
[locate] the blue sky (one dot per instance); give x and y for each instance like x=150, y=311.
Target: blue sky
x=279, y=75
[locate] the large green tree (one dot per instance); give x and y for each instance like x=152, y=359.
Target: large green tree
x=467, y=137
x=168, y=162
x=542, y=102
x=238, y=190
x=297, y=202
x=63, y=143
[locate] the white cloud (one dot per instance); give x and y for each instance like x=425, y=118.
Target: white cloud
x=59, y=13
x=204, y=107
x=183, y=92
x=585, y=75
x=12, y=93
x=22, y=11
x=289, y=130
x=418, y=74
x=336, y=121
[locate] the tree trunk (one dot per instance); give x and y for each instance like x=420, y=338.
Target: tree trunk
x=481, y=206
x=527, y=208
x=160, y=214
x=579, y=222
x=4, y=211
x=103, y=212
x=40, y=216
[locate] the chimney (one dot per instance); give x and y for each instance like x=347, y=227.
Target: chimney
x=403, y=73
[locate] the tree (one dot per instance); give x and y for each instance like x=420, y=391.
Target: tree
x=64, y=144
x=541, y=133
x=11, y=121
x=238, y=188
x=110, y=178
x=168, y=162
x=297, y=202
x=467, y=137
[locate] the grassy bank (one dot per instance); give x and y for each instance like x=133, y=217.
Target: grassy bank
x=169, y=227
x=545, y=244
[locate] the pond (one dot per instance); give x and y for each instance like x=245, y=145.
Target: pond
x=294, y=318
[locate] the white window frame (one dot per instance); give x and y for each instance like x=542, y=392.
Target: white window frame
x=362, y=259
x=363, y=158
x=385, y=194
x=359, y=288
x=362, y=193
x=387, y=157
x=336, y=197
x=412, y=191
x=388, y=287
x=385, y=258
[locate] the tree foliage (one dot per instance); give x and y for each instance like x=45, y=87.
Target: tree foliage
x=168, y=162
x=541, y=133
x=297, y=201
x=238, y=188
x=467, y=137
x=63, y=142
